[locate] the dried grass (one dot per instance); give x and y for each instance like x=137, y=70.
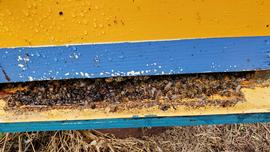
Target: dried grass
x=239, y=137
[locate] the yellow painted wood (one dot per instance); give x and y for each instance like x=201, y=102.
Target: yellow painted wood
x=53, y=22
x=257, y=101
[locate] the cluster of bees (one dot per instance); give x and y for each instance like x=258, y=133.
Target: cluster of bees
x=124, y=89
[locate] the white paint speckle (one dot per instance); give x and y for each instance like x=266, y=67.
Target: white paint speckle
x=74, y=56
x=132, y=73
x=26, y=59
x=30, y=78
x=87, y=75
x=19, y=58
x=20, y=65
x=82, y=74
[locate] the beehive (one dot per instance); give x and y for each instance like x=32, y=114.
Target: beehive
x=55, y=40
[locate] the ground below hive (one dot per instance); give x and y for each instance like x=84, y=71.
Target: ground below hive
x=231, y=138
x=131, y=92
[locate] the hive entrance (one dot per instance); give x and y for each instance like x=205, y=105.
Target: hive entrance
x=121, y=93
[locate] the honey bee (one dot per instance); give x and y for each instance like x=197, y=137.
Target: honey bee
x=166, y=91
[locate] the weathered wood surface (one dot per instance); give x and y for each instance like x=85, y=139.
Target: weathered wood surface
x=133, y=59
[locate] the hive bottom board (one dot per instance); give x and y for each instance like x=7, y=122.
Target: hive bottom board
x=257, y=101
x=255, y=108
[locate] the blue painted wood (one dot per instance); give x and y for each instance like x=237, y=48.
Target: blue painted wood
x=136, y=58
x=135, y=122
